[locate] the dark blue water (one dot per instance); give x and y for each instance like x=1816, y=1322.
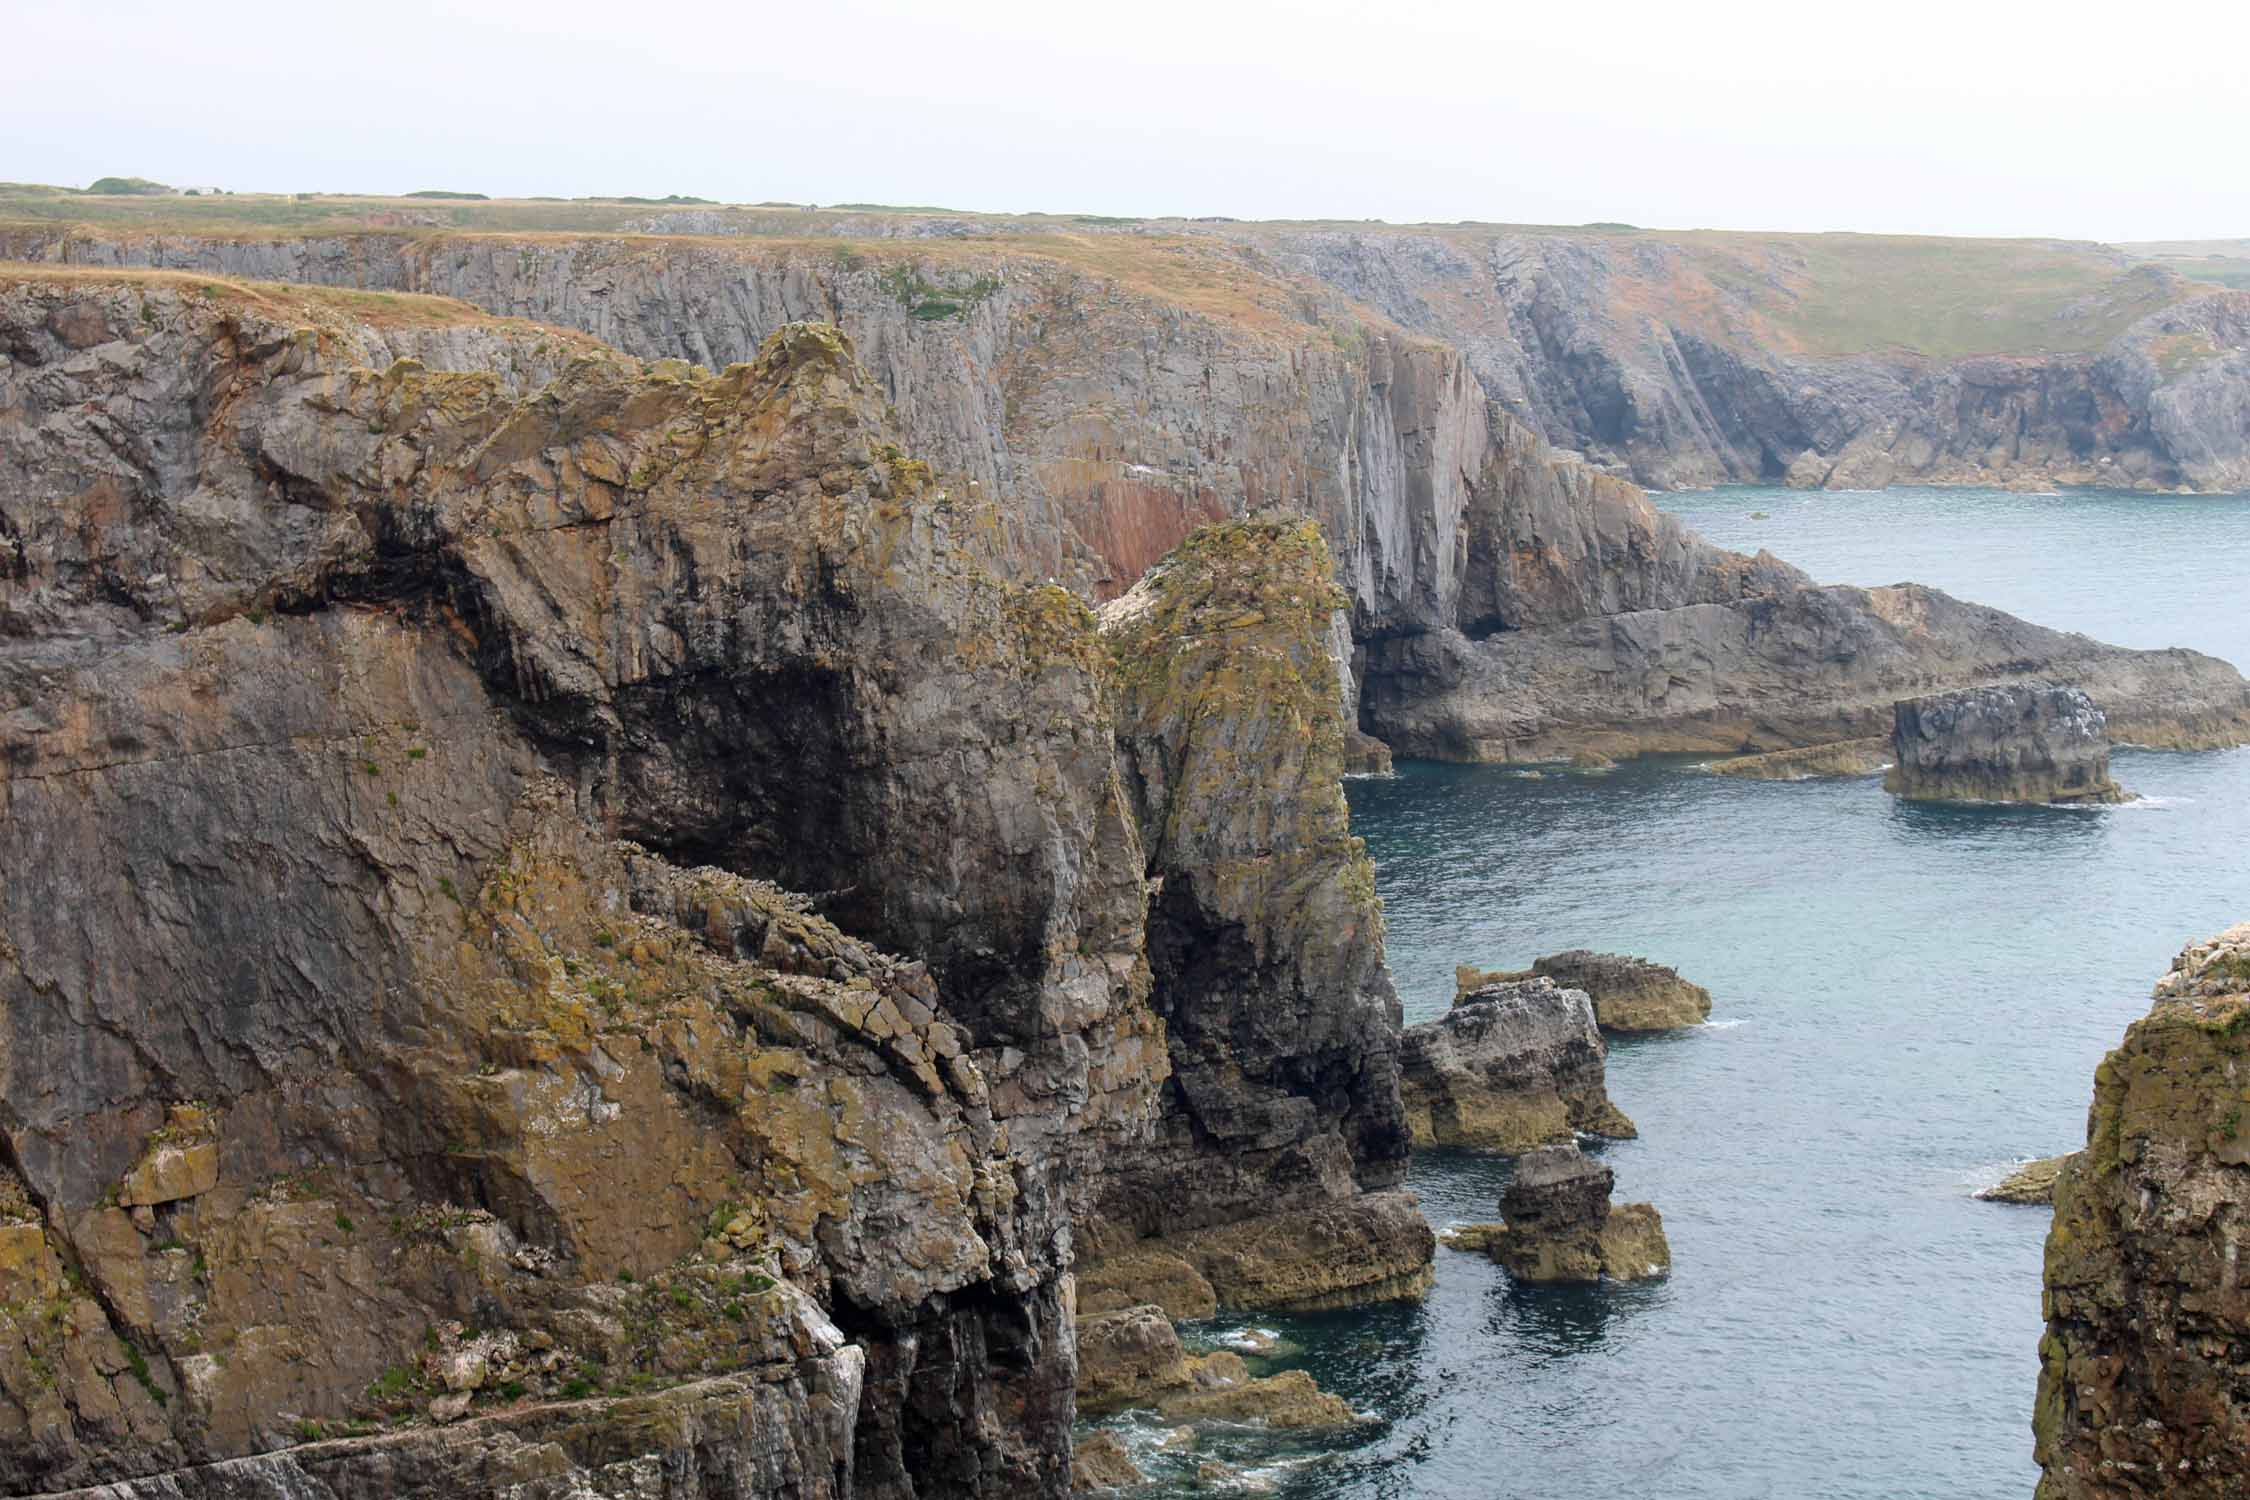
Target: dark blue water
x=1907, y=999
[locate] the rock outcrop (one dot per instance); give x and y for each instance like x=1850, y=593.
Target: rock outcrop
x=1134, y=1358
x=1799, y=666
x=2142, y=1372
x=1515, y=1064
x=1506, y=601
x=2031, y=1183
x=408, y=709
x=1265, y=934
x=1629, y=994
x=1561, y=1225
x=2032, y=743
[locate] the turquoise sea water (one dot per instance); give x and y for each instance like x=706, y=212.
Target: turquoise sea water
x=1907, y=999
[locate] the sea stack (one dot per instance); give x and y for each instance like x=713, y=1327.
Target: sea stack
x=1562, y=1227
x=1515, y=1064
x=2142, y=1370
x=2022, y=742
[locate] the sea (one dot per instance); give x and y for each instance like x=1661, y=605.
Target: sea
x=1907, y=1001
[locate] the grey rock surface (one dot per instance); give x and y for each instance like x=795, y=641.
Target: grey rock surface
x=2029, y=743
x=1514, y=1065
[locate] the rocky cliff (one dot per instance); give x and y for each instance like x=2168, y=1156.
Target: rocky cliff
x=1265, y=934
x=397, y=1024
x=2144, y=1388
x=1117, y=391
x=1845, y=361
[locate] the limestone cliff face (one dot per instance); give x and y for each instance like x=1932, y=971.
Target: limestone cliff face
x=2143, y=1385
x=372, y=1030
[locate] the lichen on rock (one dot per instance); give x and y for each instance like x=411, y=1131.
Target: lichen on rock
x=2141, y=1369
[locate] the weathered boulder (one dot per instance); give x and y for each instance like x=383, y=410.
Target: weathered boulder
x=1629, y=994
x=2023, y=743
x=1561, y=1226
x=1281, y=1125
x=2143, y=1368
x=1514, y=1064
x=1128, y=1358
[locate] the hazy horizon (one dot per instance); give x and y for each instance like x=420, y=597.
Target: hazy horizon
x=1752, y=117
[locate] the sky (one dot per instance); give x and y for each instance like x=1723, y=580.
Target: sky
x=1988, y=117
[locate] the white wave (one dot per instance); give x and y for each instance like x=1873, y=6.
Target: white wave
x=1726, y=1025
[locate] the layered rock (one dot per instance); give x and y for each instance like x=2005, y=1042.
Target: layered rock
x=1800, y=666
x=2142, y=1372
x=1515, y=1064
x=1507, y=602
x=1265, y=934
x=325, y=693
x=2029, y=743
x=1629, y=994
x=1561, y=1226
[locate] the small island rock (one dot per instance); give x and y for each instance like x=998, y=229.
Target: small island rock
x=2021, y=742
x=1562, y=1227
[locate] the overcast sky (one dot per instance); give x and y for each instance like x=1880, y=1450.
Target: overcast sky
x=1969, y=117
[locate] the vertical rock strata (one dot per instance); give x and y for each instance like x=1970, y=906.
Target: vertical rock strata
x=2144, y=1383
x=2026, y=743
x=1265, y=934
x=387, y=1025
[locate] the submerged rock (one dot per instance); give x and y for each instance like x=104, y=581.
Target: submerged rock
x=2033, y=1182
x=1629, y=994
x=1514, y=1064
x=2023, y=743
x=1561, y=1226
x=1860, y=757
x=2146, y=1357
